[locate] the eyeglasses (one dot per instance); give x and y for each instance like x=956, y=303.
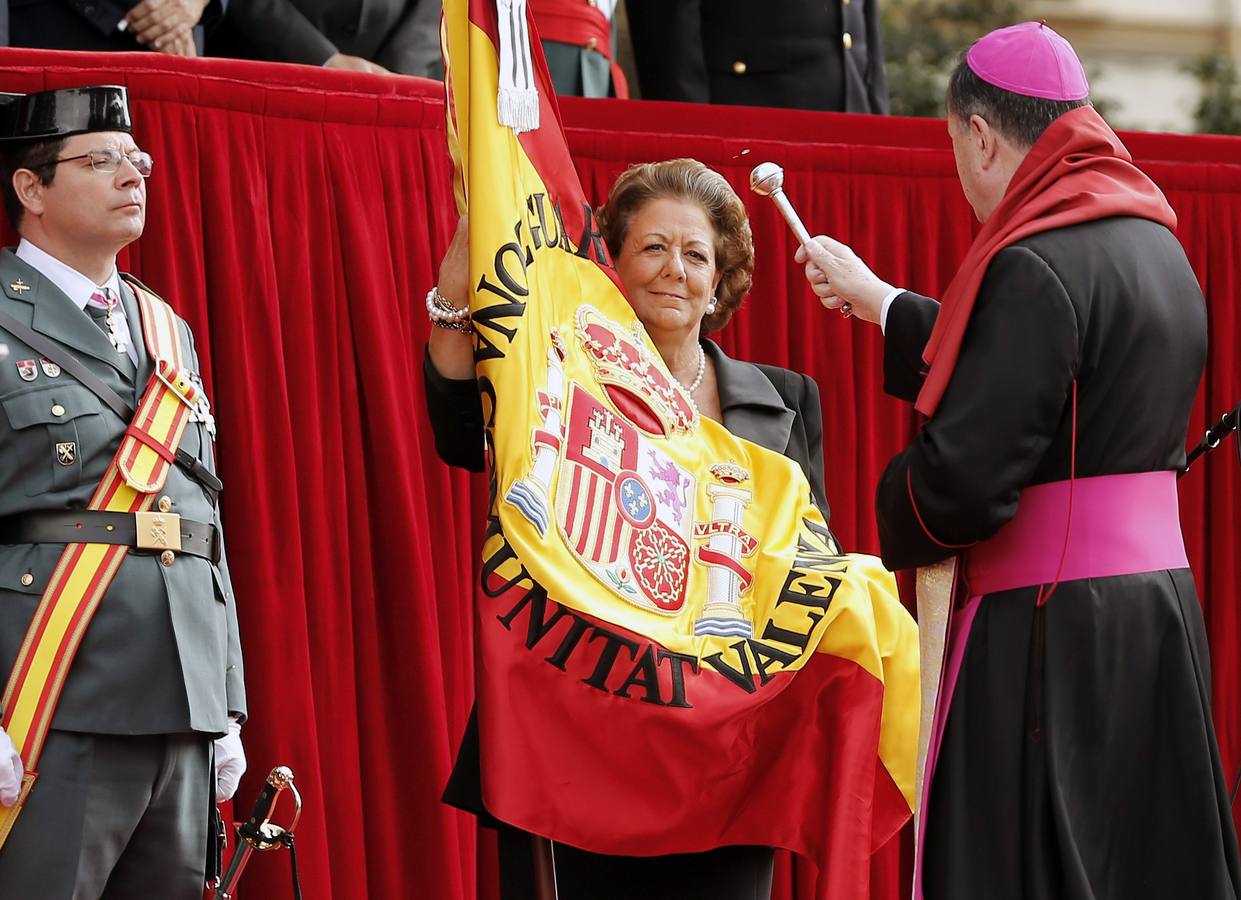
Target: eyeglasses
x=109, y=160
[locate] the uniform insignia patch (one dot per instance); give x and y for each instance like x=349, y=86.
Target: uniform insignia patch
x=19, y=286
x=27, y=369
x=66, y=452
x=50, y=369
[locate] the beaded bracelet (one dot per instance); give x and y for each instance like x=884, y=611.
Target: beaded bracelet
x=444, y=315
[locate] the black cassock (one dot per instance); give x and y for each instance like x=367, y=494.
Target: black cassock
x=1086, y=767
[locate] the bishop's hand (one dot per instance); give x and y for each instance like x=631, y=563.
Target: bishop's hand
x=837, y=276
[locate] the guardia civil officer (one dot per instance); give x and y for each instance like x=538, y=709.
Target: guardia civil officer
x=118, y=630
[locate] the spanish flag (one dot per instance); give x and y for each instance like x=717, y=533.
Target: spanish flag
x=674, y=655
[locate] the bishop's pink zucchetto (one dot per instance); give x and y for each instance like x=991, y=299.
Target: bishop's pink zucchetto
x=1029, y=59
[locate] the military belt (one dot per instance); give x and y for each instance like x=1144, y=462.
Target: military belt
x=156, y=531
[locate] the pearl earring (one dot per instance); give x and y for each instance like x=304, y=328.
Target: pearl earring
x=711, y=306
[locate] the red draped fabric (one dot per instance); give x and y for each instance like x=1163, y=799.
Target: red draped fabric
x=296, y=219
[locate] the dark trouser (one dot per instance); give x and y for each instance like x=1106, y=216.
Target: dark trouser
x=728, y=873
x=113, y=818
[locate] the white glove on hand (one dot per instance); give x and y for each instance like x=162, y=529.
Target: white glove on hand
x=230, y=762
x=11, y=770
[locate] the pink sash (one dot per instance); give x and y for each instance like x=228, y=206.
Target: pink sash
x=1063, y=531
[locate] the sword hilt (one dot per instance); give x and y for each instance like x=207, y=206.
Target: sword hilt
x=258, y=832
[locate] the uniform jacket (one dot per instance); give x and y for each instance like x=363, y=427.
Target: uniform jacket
x=785, y=53
x=162, y=653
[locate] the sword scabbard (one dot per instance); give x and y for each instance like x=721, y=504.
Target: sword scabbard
x=235, y=867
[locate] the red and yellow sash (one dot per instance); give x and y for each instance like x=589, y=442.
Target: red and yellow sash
x=82, y=576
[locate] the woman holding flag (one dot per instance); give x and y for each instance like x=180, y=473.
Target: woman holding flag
x=677, y=668
x=683, y=250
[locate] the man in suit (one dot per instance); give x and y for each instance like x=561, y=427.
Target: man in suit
x=175, y=27
x=795, y=54
x=385, y=36
x=403, y=36
x=150, y=712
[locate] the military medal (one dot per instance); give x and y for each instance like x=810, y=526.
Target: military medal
x=27, y=369
x=50, y=369
x=114, y=331
x=202, y=413
x=108, y=302
x=202, y=409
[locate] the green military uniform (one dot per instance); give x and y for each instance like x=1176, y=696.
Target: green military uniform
x=159, y=669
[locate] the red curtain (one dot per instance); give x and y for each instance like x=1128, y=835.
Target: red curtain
x=296, y=219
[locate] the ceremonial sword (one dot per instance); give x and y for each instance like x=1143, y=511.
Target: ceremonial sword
x=258, y=832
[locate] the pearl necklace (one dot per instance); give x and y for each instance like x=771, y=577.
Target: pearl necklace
x=702, y=368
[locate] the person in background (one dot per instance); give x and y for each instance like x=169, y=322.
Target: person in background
x=579, y=42
x=1073, y=754
x=402, y=36
x=399, y=36
x=176, y=27
x=797, y=54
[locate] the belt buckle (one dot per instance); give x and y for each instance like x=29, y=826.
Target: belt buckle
x=158, y=530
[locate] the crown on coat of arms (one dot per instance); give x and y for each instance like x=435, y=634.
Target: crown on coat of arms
x=635, y=381
x=729, y=472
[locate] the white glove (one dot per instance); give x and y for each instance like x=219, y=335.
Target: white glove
x=11, y=771
x=230, y=762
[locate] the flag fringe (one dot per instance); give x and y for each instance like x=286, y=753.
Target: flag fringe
x=517, y=99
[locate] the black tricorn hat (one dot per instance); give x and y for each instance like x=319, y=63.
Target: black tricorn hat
x=59, y=114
